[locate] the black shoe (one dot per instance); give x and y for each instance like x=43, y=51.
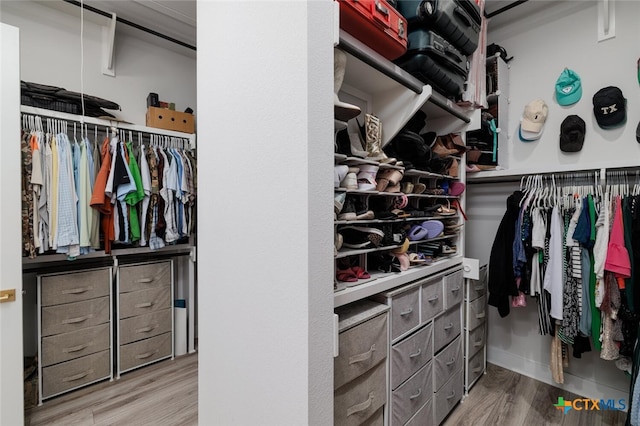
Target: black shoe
x=359, y=237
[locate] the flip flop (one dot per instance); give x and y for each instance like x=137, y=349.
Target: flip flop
x=400, y=214
x=456, y=188
x=346, y=275
x=417, y=259
x=417, y=233
x=433, y=227
x=360, y=273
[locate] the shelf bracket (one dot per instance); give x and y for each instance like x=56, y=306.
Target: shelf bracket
x=108, y=47
x=606, y=20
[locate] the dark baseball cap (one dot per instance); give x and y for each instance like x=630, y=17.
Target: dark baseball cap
x=610, y=107
x=572, y=132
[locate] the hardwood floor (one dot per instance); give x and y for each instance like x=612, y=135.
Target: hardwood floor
x=166, y=394
x=163, y=394
x=503, y=397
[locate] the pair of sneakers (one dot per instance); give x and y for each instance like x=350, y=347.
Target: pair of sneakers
x=362, y=177
x=351, y=208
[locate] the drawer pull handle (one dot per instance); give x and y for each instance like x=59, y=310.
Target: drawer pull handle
x=455, y=289
x=147, y=354
x=407, y=312
x=147, y=328
x=414, y=396
x=144, y=280
x=77, y=320
x=433, y=299
x=478, y=288
x=477, y=343
x=480, y=315
x=77, y=376
x=360, y=407
x=144, y=305
x=413, y=355
x=453, y=393
x=450, y=363
x=75, y=349
x=77, y=290
x=449, y=326
x=477, y=370
x=362, y=357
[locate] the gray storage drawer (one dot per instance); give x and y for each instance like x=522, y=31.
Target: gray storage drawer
x=432, y=299
x=144, y=351
x=144, y=301
x=146, y=276
x=75, y=316
x=411, y=396
x=477, y=338
x=361, y=347
x=358, y=400
x=75, y=286
x=447, y=362
x=71, y=374
x=409, y=355
x=68, y=346
x=453, y=288
x=405, y=312
x=424, y=416
x=446, y=327
x=376, y=420
x=478, y=287
x=476, y=366
x=448, y=396
x=477, y=312
x=145, y=326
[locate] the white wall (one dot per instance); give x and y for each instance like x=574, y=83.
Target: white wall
x=50, y=54
x=563, y=35
x=265, y=231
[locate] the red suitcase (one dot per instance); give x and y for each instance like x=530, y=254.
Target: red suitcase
x=376, y=24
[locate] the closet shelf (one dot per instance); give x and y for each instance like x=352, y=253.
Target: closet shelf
x=449, y=197
x=405, y=219
x=395, y=94
x=352, y=252
x=425, y=174
x=388, y=281
x=46, y=113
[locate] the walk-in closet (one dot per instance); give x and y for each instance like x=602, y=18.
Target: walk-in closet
x=479, y=264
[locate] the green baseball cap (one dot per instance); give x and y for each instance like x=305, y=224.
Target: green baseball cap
x=568, y=88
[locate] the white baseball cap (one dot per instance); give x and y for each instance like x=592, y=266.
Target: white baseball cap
x=534, y=116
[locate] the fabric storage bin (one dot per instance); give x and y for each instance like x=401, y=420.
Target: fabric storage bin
x=145, y=351
x=448, y=361
x=361, y=348
x=408, y=355
x=477, y=312
x=478, y=287
x=476, y=366
x=67, y=346
x=71, y=374
x=359, y=399
x=144, y=326
x=75, y=286
x=448, y=396
x=446, y=327
x=405, y=312
x=75, y=316
x=477, y=339
x=453, y=292
x=377, y=419
x=411, y=396
x=144, y=301
x=432, y=299
x=424, y=416
x=143, y=277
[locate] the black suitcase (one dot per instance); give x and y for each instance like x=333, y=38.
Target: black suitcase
x=434, y=61
x=458, y=21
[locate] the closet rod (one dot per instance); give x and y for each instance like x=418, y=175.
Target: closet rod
x=504, y=9
x=558, y=173
x=131, y=24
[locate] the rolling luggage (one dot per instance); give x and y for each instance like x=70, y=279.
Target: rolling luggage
x=376, y=24
x=434, y=61
x=458, y=21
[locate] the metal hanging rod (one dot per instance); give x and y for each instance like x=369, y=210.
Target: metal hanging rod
x=131, y=24
x=504, y=9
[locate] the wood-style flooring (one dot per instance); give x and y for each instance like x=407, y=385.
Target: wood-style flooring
x=162, y=394
x=503, y=397
x=166, y=394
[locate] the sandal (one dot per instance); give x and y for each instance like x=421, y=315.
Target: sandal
x=433, y=227
x=419, y=188
x=360, y=273
x=366, y=177
x=389, y=178
x=446, y=210
x=417, y=233
x=346, y=275
x=417, y=259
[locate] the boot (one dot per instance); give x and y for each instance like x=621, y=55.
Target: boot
x=373, y=134
x=342, y=110
x=355, y=140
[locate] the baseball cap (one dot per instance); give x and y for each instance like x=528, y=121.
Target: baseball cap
x=610, y=107
x=572, y=132
x=568, y=87
x=534, y=116
x=528, y=136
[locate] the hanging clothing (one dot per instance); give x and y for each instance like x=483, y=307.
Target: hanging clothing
x=553, y=282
